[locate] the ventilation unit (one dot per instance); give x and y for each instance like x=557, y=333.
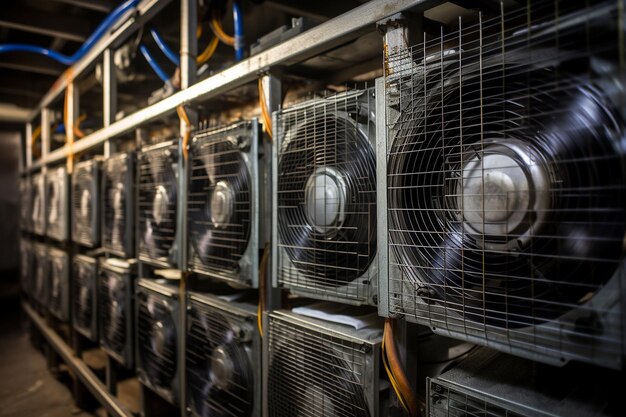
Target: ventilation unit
x=223, y=357
x=38, y=204
x=85, y=298
x=319, y=368
x=505, y=184
x=86, y=203
x=39, y=278
x=492, y=384
x=223, y=204
x=25, y=204
x=157, y=206
x=59, y=283
x=118, y=217
x=116, y=310
x=26, y=265
x=57, y=197
x=158, y=344
x=325, y=199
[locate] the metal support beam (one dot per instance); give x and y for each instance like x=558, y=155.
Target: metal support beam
x=78, y=367
x=28, y=142
x=46, y=130
x=109, y=97
x=321, y=38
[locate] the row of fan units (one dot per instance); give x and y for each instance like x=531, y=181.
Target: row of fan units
x=303, y=366
x=478, y=190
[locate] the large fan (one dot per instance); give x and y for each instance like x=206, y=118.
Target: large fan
x=118, y=222
x=157, y=339
x=26, y=265
x=320, y=369
x=57, y=190
x=85, y=314
x=38, y=205
x=506, y=183
x=158, y=190
x=325, y=197
x=223, y=184
x=25, y=203
x=220, y=377
x=59, y=284
x=86, y=203
x=40, y=277
x=116, y=310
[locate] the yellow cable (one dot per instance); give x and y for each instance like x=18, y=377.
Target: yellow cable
x=208, y=51
x=218, y=30
x=267, y=119
x=182, y=114
x=35, y=135
x=392, y=379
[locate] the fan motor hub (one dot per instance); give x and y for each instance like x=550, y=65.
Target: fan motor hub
x=502, y=194
x=159, y=204
x=222, y=202
x=325, y=199
x=159, y=338
x=221, y=368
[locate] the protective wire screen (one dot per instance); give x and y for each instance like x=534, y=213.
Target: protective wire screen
x=37, y=204
x=220, y=378
x=85, y=204
x=56, y=195
x=506, y=181
x=448, y=402
x=326, y=196
x=58, y=272
x=85, y=315
x=115, y=309
x=220, y=199
x=117, y=236
x=25, y=203
x=157, y=205
x=314, y=373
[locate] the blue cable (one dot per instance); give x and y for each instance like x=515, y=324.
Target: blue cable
x=238, y=23
x=164, y=47
x=155, y=66
x=102, y=28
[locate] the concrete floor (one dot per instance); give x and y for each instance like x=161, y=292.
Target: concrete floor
x=27, y=388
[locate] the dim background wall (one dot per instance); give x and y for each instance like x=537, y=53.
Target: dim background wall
x=9, y=201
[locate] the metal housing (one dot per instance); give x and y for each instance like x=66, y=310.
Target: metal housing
x=38, y=204
x=119, y=171
x=57, y=204
x=85, y=296
x=59, y=283
x=39, y=287
x=86, y=203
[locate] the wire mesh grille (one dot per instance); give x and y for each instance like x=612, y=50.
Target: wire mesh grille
x=26, y=266
x=25, y=203
x=86, y=204
x=220, y=199
x=38, y=208
x=157, y=205
x=115, y=309
x=326, y=196
x=40, y=276
x=220, y=378
x=506, y=181
x=314, y=373
x=85, y=296
x=118, y=225
x=157, y=342
x=57, y=203
x=448, y=402
x=59, y=284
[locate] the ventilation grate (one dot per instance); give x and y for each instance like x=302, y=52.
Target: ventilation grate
x=116, y=312
x=118, y=222
x=57, y=205
x=59, y=284
x=86, y=203
x=85, y=297
x=38, y=205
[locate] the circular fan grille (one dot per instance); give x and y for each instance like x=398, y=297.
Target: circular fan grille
x=84, y=294
x=83, y=202
x=219, y=203
x=157, y=202
x=114, y=311
x=326, y=199
x=317, y=381
x=115, y=205
x=510, y=199
x=218, y=370
x=157, y=341
x=54, y=204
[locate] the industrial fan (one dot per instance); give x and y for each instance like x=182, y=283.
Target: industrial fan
x=116, y=310
x=39, y=279
x=38, y=204
x=57, y=204
x=59, y=283
x=157, y=206
x=85, y=296
x=118, y=215
x=223, y=349
x=325, y=198
x=86, y=203
x=26, y=266
x=25, y=203
x=321, y=368
x=223, y=203
x=157, y=339
x=506, y=185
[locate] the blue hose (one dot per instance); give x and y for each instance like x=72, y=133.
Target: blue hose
x=102, y=28
x=238, y=23
x=155, y=66
x=164, y=47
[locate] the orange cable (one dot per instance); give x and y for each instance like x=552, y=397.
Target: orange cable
x=182, y=114
x=267, y=119
x=396, y=369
